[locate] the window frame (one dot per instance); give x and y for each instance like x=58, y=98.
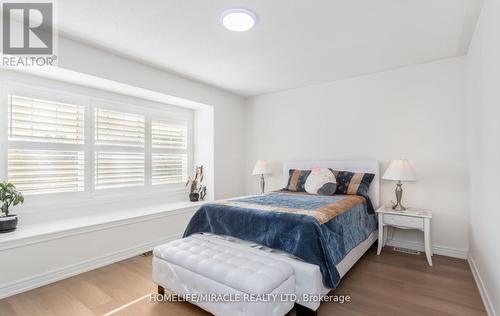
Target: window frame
x=90, y=99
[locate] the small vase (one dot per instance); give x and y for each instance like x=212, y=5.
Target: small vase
x=8, y=223
x=194, y=197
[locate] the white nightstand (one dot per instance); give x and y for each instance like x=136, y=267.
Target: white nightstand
x=411, y=218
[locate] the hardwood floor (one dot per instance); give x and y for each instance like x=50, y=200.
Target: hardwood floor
x=390, y=284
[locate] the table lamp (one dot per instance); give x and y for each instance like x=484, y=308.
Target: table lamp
x=399, y=170
x=261, y=168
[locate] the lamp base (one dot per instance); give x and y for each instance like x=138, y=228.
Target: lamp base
x=399, y=194
x=262, y=184
x=399, y=208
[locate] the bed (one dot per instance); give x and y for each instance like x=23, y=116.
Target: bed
x=320, y=246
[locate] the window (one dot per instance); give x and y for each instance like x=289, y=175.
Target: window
x=169, y=135
x=46, y=171
x=169, y=152
x=92, y=146
x=119, y=156
x=118, y=169
x=118, y=128
x=56, y=130
x=45, y=121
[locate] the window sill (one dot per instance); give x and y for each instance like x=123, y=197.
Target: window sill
x=35, y=233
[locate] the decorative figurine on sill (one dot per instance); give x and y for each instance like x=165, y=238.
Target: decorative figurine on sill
x=197, y=190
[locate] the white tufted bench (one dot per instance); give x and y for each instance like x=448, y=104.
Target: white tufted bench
x=194, y=266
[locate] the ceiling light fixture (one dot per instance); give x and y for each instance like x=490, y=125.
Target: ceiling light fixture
x=238, y=20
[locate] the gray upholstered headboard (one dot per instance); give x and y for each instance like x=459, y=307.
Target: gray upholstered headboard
x=368, y=166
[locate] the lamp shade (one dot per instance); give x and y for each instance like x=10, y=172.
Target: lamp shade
x=261, y=167
x=399, y=170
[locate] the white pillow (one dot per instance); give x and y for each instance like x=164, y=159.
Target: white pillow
x=321, y=181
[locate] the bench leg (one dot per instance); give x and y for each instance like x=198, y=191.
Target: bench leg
x=304, y=311
x=161, y=290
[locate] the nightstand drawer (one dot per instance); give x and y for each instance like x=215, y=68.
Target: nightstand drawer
x=404, y=221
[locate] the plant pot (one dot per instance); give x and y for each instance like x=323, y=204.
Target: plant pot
x=8, y=223
x=194, y=197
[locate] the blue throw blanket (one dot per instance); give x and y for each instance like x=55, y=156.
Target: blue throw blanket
x=318, y=229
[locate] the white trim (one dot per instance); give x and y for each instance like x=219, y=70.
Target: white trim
x=488, y=304
x=89, y=150
x=419, y=246
x=3, y=133
x=93, y=82
x=148, y=155
x=31, y=145
x=74, y=269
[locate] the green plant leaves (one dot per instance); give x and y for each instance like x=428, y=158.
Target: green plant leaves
x=9, y=196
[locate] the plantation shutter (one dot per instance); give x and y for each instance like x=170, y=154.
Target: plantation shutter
x=60, y=143
x=169, y=168
x=119, y=169
x=119, y=156
x=57, y=131
x=118, y=128
x=169, y=135
x=46, y=171
x=45, y=121
x=169, y=152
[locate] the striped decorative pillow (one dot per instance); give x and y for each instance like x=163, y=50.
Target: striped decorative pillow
x=353, y=182
x=297, y=180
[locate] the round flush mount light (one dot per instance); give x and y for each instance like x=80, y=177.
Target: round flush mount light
x=238, y=19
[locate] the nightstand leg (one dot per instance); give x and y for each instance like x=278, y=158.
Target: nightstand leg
x=427, y=238
x=380, y=234
x=386, y=233
x=430, y=239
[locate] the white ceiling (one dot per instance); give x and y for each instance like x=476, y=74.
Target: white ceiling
x=295, y=43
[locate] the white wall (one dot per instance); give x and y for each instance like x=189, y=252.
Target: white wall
x=483, y=96
x=228, y=107
x=416, y=112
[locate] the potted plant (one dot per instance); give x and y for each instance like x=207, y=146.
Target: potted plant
x=197, y=190
x=9, y=196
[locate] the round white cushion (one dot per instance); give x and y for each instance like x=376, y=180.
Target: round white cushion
x=321, y=181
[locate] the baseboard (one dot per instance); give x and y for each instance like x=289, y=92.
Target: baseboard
x=71, y=270
x=482, y=289
x=439, y=250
